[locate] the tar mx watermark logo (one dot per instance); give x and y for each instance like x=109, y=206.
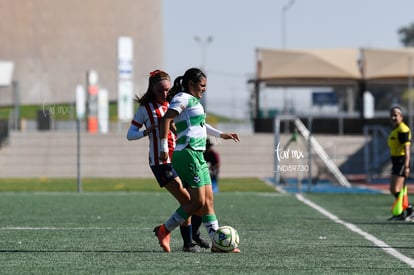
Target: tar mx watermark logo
x=290, y=160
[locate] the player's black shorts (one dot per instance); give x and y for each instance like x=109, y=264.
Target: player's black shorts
x=398, y=166
x=164, y=173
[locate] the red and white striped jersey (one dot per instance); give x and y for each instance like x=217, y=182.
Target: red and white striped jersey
x=147, y=115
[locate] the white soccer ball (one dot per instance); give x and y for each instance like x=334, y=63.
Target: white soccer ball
x=226, y=238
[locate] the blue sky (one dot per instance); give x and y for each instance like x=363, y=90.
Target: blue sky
x=239, y=27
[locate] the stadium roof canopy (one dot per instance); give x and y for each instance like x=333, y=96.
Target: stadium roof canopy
x=332, y=67
x=388, y=66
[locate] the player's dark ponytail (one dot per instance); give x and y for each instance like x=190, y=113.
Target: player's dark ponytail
x=176, y=88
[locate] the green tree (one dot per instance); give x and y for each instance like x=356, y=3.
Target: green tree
x=407, y=35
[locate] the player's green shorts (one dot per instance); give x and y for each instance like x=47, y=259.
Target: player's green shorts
x=191, y=167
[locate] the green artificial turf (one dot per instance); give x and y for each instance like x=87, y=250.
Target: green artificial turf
x=111, y=233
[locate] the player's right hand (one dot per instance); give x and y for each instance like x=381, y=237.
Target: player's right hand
x=151, y=128
x=163, y=156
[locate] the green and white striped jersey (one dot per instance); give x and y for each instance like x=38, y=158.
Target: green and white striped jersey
x=190, y=123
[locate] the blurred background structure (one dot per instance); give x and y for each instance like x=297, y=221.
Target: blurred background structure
x=54, y=43
x=337, y=78
x=347, y=88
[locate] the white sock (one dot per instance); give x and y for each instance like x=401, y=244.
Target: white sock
x=174, y=221
x=211, y=227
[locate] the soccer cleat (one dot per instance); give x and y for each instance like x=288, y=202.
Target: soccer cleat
x=218, y=250
x=163, y=236
x=191, y=248
x=397, y=218
x=409, y=217
x=409, y=211
x=201, y=241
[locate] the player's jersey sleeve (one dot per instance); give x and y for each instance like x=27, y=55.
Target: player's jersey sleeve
x=140, y=117
x=190, y=122
x=398, y=139
x=179, y=102
x=404, y=135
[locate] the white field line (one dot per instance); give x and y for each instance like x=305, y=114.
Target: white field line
x=271, y=184
x=378, y=243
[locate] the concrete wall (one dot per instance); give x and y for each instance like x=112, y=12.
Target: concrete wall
x=53, y=154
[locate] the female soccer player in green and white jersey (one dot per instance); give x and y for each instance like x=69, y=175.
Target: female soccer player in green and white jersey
x=188, y=115
x=153, y=105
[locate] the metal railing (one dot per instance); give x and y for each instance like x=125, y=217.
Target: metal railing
x=332, y=168
x=375, y=156
x=313, y=144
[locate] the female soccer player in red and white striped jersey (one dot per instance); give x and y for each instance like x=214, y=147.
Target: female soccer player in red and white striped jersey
x=153, y=105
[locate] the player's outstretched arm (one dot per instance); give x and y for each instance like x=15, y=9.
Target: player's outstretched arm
x=211, y=131
x=233, y=136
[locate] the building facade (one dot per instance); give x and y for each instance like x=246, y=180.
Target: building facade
x=53, y=43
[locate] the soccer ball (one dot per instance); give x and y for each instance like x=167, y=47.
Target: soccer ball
x=226, y=238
